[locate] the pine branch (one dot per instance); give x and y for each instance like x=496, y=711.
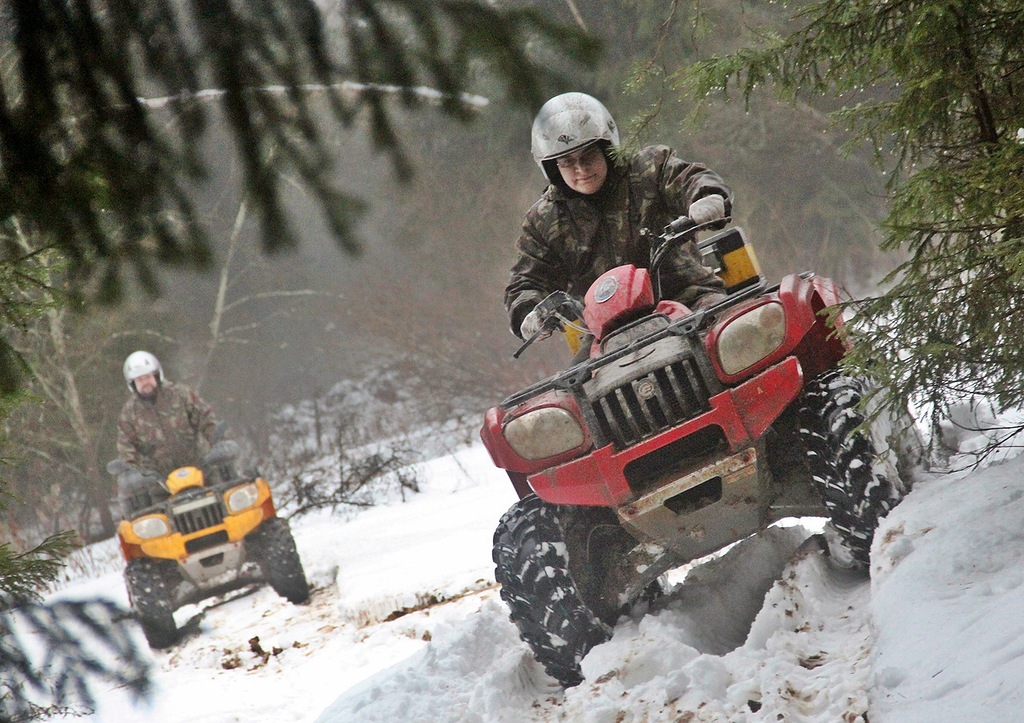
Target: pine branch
x=22, y=574
x=80, y=643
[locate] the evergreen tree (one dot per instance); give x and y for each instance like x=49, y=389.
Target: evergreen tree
x=80, y=641
x=937, y=88
x=75, y=643
x=105, y=109
x=105, y=118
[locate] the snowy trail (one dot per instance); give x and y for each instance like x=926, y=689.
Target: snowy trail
x=766, y=631
x=692, y=653
x=792, y=654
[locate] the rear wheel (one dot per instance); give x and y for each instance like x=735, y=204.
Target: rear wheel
x=854, y=470
x=274, y=548
x=151, y=584
x=532, y=564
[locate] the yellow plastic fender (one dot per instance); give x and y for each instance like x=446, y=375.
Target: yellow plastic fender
x=183, y=478
x=173, y=546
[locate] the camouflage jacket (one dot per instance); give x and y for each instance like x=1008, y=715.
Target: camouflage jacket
x=568, y=240
x=174, y=430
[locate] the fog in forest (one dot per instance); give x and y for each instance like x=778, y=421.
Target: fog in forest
x=418, y=313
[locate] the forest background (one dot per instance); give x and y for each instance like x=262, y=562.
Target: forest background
x=416, y=316
x=902, y=128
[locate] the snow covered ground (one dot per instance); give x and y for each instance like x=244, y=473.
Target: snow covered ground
x=405, y=623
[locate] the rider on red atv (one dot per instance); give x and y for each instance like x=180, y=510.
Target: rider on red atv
x=590, y=217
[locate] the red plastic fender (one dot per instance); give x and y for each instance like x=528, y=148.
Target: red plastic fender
x=760, y=401
x=617, y=292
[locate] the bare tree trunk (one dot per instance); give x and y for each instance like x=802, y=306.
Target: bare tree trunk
x=576, y=14
x=74, y=411
x=235, y=266
x=220, y=304
x=63, y=391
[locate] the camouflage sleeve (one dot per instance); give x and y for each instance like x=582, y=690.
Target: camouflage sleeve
x=200, y=414
x=126, y=448
x=684, y=277
x=539, y=269
x=682, y=183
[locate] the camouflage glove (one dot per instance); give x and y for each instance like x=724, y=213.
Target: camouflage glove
x=533, y=323
x=707, y=209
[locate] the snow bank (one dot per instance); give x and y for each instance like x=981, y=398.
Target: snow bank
x=947, y=598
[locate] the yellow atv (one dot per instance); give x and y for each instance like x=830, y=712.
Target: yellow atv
x=201, y=532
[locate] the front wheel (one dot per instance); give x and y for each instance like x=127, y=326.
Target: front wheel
x=274, y=548
x=532, y=565
x=854, y=470
x=151, y=584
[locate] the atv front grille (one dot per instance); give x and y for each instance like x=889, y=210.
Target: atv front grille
x=195, y=515
x=651, y=404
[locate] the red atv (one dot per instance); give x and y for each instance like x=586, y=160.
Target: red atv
x=683, y=432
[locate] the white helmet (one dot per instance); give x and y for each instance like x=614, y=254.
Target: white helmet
x=139, y=363
x=567, y=123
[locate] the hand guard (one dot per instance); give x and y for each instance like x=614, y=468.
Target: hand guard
x=707, y=209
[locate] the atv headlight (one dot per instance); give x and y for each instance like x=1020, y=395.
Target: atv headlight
x=149, y=527
x=544, y=433
x=749, y=338
x=242, y=498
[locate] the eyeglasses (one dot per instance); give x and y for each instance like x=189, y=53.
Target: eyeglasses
x=583, y=160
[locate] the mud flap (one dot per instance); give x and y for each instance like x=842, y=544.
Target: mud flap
x=519, y=484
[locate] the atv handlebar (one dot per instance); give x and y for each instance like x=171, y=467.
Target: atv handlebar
x=560, y=308
x=674, y=233
x=556, y=309
x=680, y=226
x=536, y=335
